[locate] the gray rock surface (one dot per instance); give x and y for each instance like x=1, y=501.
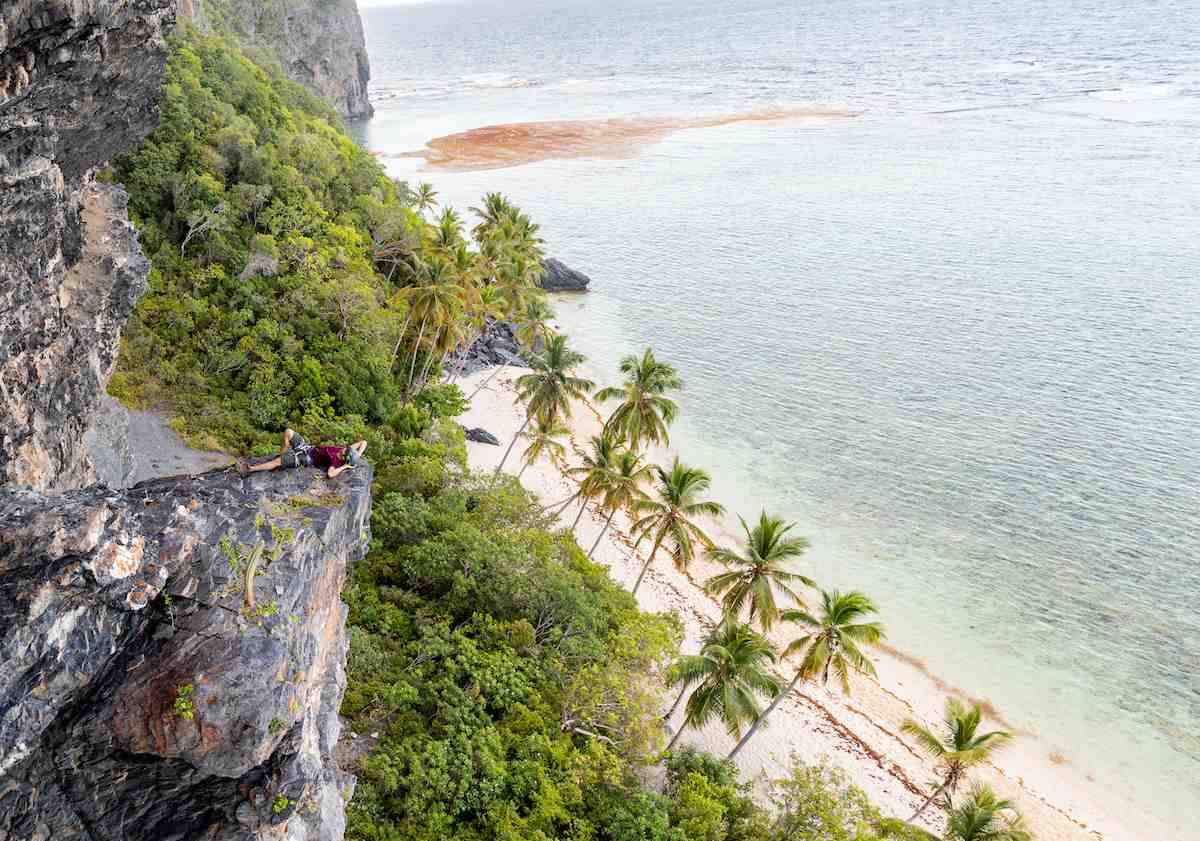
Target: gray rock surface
x=127, y=447
x=79, y=83
x=142, y=696
x=481, y=436
x=319, y=42
x=558, y=277
x=497, y=345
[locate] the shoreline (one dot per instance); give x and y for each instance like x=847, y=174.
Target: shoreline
x=859, y=732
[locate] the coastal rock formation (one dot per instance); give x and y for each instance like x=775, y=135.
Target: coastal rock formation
x=319, y=42
x=481, y=436
x=560, y=278
x=173, y=657
x=78, y=84
x=497, y=345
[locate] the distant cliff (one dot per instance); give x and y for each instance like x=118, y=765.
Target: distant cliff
x=79, y=83
x=319, y=42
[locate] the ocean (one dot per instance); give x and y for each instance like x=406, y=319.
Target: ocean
x=956, y=337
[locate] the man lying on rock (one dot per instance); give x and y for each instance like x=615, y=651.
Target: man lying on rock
x=297, y=452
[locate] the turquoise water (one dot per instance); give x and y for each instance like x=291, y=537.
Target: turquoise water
x=956, y=337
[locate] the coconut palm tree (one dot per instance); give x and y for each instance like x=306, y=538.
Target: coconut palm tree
x=594, y=472
x=756, y=574
x=622, y=488
x=957, y=748
x=434, y=304
x=548, y=390
x=425, y=197
x=829, y=642
x=495, y=208
x=671, y=516
x=534, y=321
x=489, y=305
x=985, y=817
x=644, y=413
x=730, y=672
x=543, y=440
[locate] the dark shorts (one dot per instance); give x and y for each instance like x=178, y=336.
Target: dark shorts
x=297, y=455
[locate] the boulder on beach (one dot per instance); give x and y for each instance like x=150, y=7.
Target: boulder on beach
x=559, y=277
x=481, y=436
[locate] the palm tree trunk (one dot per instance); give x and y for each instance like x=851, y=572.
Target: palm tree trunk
x=678, y=701
x=675, y=738
x=499, y=368
x=528, y=418
x=603, y=531
x=758, y=721
x=400, y=338
x=429, y=365
x=932, y=798
x=412, y=368
x=562, y=506
x=521, y=472
x=462, y=361
x=646, y=566
x=579, y=516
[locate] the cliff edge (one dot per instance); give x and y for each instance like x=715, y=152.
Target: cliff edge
x=78, y=84
x=320, y=43
x=173, y=657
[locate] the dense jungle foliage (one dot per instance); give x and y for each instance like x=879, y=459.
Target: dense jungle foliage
x=500, y=684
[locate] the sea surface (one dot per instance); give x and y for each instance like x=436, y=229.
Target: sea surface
x=956, y=337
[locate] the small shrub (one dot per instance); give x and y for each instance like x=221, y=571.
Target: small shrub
x=183, y=706
x=280, y=805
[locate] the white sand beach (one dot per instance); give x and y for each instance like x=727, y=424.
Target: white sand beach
x=859, y=732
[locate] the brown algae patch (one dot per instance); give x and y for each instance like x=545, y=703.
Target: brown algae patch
x=514, y=144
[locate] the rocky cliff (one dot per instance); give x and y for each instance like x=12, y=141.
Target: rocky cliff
x=319, y=42
x=173, y=657
x=78, y=84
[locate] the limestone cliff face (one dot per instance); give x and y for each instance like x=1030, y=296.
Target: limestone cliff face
x=319, y=42
x=78, y=84
x=173, y=657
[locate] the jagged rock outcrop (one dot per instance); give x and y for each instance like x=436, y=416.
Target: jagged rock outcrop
x=79, y=83
x=497, y=345
x=320, y=43
x=143, y=694
x=558, y=277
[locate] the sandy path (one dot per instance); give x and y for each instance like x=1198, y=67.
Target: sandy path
x=860, y=732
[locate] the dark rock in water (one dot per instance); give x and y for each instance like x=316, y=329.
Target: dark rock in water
x=497, y=345
x=142, y=696
x=79, y=83
x=481, y=436
x=560, y=278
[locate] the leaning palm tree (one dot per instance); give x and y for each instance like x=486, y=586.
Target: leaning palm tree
x=957, y=748
x=644, y=413
x=622, y=488
x=425, y=197
x=829, y=642
x=730, y=672
x=594, y=473
x=671, y=516
x=543, y=440
x=534, y=324
x=755, y=574
x=547, y=392
x=985, y=817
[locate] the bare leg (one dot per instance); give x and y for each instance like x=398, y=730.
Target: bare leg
x=359, y=447
x=273, y=464
x=287, y=441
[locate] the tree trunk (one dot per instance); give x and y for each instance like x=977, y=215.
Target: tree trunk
x=582, y=508
x=678, y=701
x=646, y=566
x=603, y=531
x=758, y=721
x=932, y=798
x=462, y=362
x=500, y=466
x=400, y=338
x=521, y=472
x=675, y=738
x=499, y=368
x=412, y=368
x=562, y=506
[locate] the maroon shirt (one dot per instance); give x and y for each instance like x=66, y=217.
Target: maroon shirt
x=327, y=456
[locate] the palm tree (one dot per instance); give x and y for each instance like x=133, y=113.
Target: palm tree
x=534, y=321
x=622, y=488
x=730, y=672
x=425, y=198
x=671, y=516
x=543, y=440
x=829, y=643
x=594, y=471
x=759, y=572
x=489, y=304
x=435, y=303
x=547, y=392
x=957, y=748
x=495, y=209
x=644, y=413
x=985, y=817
